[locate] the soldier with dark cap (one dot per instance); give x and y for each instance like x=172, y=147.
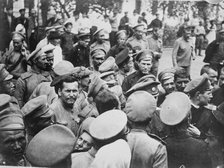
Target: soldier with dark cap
x=6, y=84
x=144, y=62
x=183, y=149
x=36, y=115
x=51, y=147
x=147, y=83
x=181, y=78
x=138, y=39
x=124, y=63
x=12, y=134
x=40, y=72
x=15, y=60
x=147, y=150
x=79, y=55
x=166, y=78
x=200, y=92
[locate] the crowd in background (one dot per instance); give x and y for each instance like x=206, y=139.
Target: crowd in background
x=90, y=93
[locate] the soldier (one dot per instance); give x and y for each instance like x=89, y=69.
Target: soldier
x=106, y=128
x=84, y=139
x=124, y=63
x=144, y=62
x=15, y=60
x=79, y=55
x=12, y=134
x=36, y=115
x=200, y=92
x=97, y=56
x=44, y=41
x=67, y=89
x=6, y=84
x=183, y=149
x=121, y=37
x=102, y=40
x=212, y=75
x=147, y=83
x=181, y=78
x=45, y=88
x=146, y=151
x=51, y=147
x=155, y=44
x=39, y=73
x=138, y=39
x=183, y=51
x=166, y=78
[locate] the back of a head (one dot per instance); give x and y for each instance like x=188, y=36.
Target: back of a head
x=116, y=154
x=106, y=100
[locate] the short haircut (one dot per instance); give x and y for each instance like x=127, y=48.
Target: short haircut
x=54, y=35
x=68, y=24
x=64, y=78
x=106, y=100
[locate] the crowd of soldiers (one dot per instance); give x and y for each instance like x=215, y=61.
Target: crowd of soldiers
x=95, y=99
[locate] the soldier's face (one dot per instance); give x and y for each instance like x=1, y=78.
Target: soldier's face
x=98, y=60
x=168, y=85
x=85, y=42
x=205, y=97
x=139, y=32
x=85, y=82
x=122, y=39
x=12, y=144
x=69, y=93
x=84, y=142
x=145, y=66
x=17, y=44
x=50, y=60
x=42, y=62
x=213, y=77
x=181, y=84
x=9, y=87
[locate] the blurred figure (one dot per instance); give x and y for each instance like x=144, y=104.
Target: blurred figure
x=8, y=27
x=214, y=54
x=6, y=83
x=80, y=52
x=200, y=37
x=22, y=19
x=124, y=21
x=32, y=27
x=183, y=51
x=156, y=22
x=75, y=22
x=68, y=39
x=114, y=27
x=15, y=60
x=121, y=37
x=211, y=35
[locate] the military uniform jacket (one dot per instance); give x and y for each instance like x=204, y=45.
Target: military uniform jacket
x=185, y=150
x=27, y=83
x=131, y=80
x=134, y=43
x=146, y=152
x=64, y=116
